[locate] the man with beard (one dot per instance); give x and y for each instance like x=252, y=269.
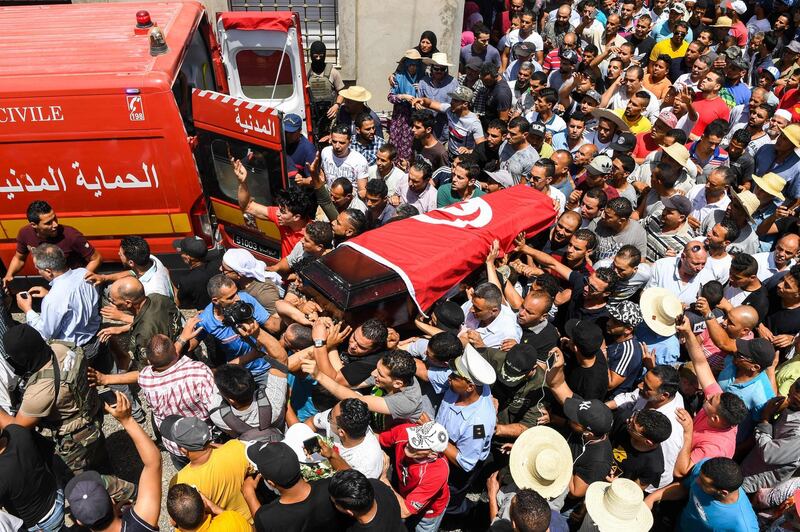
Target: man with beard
x=608, y=125
x=426, y=146
x=759, y=55
x=616, y=229
x=744, y=286
x=666, y=29
x=541, y=176
x=684, y=65
x=487, y=153
x=516, y=154
x=324, y=84
x=641, y=39
x=573, y=137
x=692, y=79
x=735, y=85
x=556, y=30
x=668, y=232
x=626, y=9
x=634, y=113
x=365, y=141
x=525, y=33
x=521, y=84
x=740, y=161
x=778, y=121
x=480, y=48
x=559, y=236
x=740, y=113
x=498, y=94
x=568, y=61
x=706, y=152
x=553, y=60
x=591, y=206
x=709, y=105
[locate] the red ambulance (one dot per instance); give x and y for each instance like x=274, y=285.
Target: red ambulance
x=124, y=116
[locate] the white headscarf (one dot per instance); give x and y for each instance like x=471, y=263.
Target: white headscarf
x=245, y=264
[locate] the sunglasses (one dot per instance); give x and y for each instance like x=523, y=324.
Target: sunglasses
x=438, y=69
x=695, y=249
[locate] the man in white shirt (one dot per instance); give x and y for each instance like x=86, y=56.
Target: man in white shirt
x=417, y=190
x=779, y=261
x=385, y=169
x=488, y=322
x=338, y=160
x=347, y=424
x=709, y=197
x=540, y=178
x=683, y=275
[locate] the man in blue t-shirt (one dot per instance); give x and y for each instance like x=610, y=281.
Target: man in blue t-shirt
x=623, y=348
x=717, y=501
x=231, y=342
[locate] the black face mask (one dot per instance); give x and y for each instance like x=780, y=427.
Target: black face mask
x=318, y=48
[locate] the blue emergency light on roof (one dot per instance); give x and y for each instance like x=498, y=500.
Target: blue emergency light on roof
x=132, y=91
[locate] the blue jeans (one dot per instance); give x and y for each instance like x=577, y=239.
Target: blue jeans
x=55, y=520
x=426, y=524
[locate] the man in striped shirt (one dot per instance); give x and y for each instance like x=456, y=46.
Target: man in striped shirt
x=172, y=385
x=624, y=350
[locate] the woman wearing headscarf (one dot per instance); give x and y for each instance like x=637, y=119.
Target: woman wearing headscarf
x=404, y=91
x=427, y=44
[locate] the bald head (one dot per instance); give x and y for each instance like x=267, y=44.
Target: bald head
x=744, y=315
x=571, y=38
x=128, y=288
x=572, y=218
x=588, y=151
x=161, y=351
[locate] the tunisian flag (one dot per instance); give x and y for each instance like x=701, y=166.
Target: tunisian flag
x=433, y=252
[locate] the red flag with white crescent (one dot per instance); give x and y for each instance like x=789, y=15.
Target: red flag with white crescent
x=433, y=252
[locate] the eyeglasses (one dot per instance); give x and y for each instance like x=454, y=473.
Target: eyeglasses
x=680, y=34
x=438, y=69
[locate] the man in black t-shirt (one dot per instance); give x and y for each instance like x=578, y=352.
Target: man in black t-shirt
x=783, y=317
x=589, y=422
x=637, y=450
x=587, y=369
x=364, y=349
x=537, y=331
x=369, y=504
x=301, y=506
x=192, y=285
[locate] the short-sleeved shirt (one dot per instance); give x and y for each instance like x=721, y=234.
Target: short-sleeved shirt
x=406, y=404
x=192, y=285
x=288, y=237
x=76, y=248
x=755, y=393
x=589, y=382
x=708, y=442
x=644, y=466
x=489, y=55
x=220, y=478
x=705, y=513
x=387, y=518
x=517, y=404
x=498, y=98
x=300, y=154
x=592, y=461
x=625, y=359
x=358, y=369
x=708, y=111
x=132, y=522
x=227, y=521
x=229, y=340
x=365, y=457
x=314, y=514
x=265, y=293
x=518, y=163
x=462, y=131
x=608, y=244
x=470, y=427
x=423, y=485
x=444, y=195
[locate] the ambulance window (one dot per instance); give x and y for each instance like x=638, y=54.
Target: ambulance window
x=263, y=170
x=259, y=75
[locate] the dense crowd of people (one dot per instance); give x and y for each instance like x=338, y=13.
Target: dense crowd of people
x=631, y=367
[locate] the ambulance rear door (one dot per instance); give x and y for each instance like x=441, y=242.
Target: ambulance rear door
x=229, y=127
x=263, y=57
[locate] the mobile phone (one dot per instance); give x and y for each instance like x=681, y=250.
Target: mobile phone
x=312, y=446
x=24, y=295
x=108, y=396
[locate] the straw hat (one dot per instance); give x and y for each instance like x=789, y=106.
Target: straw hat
x=723, y=22
x=678, y=152
x=747, y=201
x=437, y=59
x=792, y=132
x=660, y=308
x=356, y=93
x=608, y=114
x=412, y=54
x=618, y=505
x=772, y=184
x=541, y=461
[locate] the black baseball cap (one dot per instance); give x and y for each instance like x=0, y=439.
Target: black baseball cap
x=194, y=246
x=276, y=462
x=593, y=415
x=519, y=361
x=625, y=143
x=449, y=316
x=88, y=499
x=586, y=335
x=758, y=350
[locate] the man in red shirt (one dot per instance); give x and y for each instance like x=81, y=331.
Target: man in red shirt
x=295, y=209
x=708, y=104
x=650, y=141
x=421, y=471
x=43, y=227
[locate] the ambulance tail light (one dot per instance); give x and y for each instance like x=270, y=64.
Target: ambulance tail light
x=201, y=221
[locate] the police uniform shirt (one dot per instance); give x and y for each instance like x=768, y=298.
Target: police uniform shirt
x=470, y=427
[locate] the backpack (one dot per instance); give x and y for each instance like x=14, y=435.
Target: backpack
x=319, y=85
x=266, y=431
x=76, y=379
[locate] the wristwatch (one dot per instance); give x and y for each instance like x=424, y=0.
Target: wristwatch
x=319, y=343
x=710, y=316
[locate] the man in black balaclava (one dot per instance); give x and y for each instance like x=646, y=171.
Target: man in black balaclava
x=324, y=84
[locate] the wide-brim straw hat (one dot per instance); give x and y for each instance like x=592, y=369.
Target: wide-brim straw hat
x=356, y=93
x=437, y=59
x=747, y=201
x=723, y=22
x=608, y=114
x=660, y=309
x=541, y=461
x=678, y=152
x=772, y=184
x=618, y=506
x=792, y=132
x=412, y=54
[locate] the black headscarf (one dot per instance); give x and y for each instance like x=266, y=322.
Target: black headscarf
x=428, y=34
x=26, y=350
x=318, y=47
